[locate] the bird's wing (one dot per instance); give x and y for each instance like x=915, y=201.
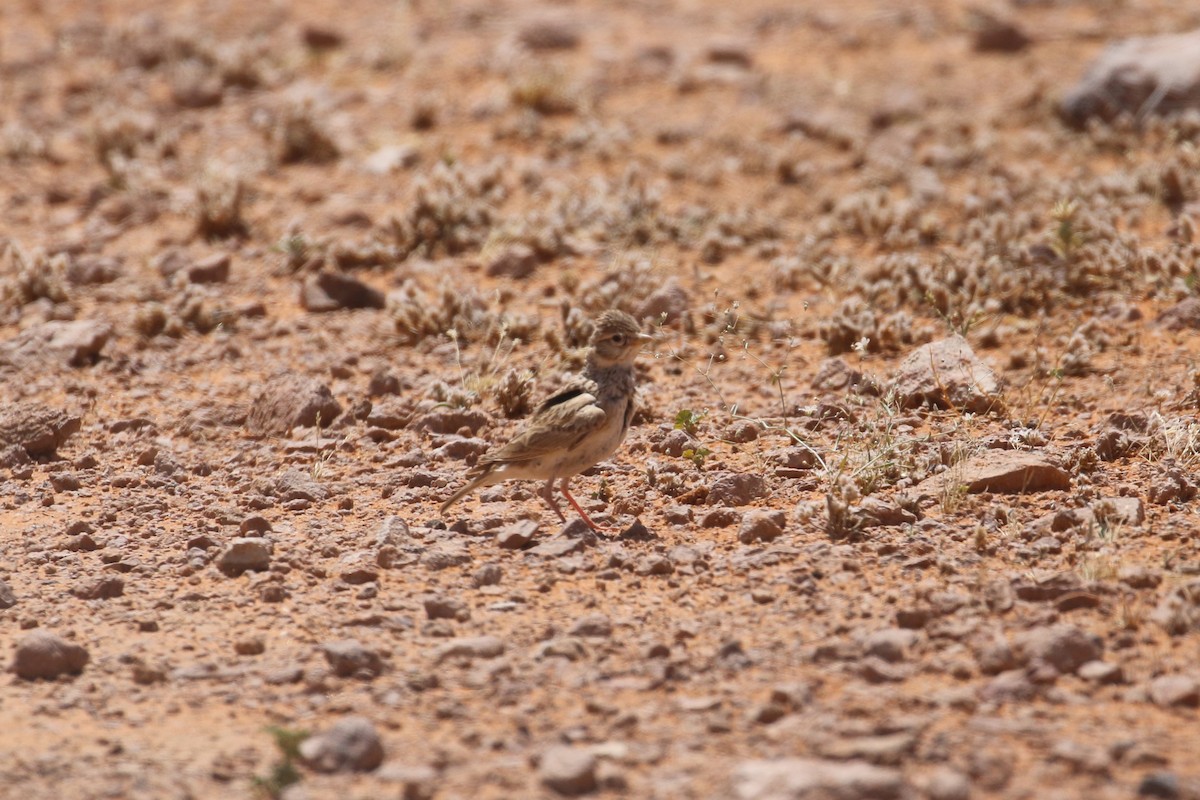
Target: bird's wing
x=559, y=425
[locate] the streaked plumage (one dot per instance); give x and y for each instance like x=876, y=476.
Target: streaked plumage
x=577, y=428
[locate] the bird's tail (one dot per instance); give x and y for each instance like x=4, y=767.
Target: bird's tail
x=482, y=479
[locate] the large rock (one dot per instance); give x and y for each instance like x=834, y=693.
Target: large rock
x=1143, y=75
x=1178, y=611
x=568, y=770
x=351, y=745
x=77, y=343
x=818, y=779
x=1002, y=471
x=948, y=374
x=1063, y=646
x=37, y=430
x=289, y=401
x=41, y=654
x=245, y=554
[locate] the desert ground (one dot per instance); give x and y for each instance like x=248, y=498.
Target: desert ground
x=908, y=507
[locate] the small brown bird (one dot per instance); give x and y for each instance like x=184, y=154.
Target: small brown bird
x=578, y=427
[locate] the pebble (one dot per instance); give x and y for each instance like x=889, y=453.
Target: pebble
x=1175, y=691
x=7, y=598
x=247, y=553
x=351, y=745
x=736, y=488
x=100, y=589
x=441, y=607
x=210, y=269
x=890, y=644
x=781, y=778
x=1063, y=646
x=567, y=770
x=517, y=534
x=41, y=654
x=349, y=658
x=593, y=625
x=470, y=647
x=290, y=401
x=761, y=526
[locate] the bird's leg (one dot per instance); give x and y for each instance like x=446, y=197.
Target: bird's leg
x=567, y=492
x=547, y=494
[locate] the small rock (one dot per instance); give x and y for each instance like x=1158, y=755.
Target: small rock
x=1102, y=672
x=665, y=305
x=438, y=607
x=212, y=269
x=471, y=647
x=549, y=33
x=720, y=518
x=349, y=658
x=390, y=158
x=289, y=401
x=331, y=291
x=321, y=37
x=419, y=782
x=890, y=644
x=995, y=34
x=358, y=568
x=250, y=646
x=7, y=598
x=594, y=625
x=1010, y=686
x=453, y=421
x=100, y=589
x=517, y=535
x=1063, y=646
x=1184, y=314
x=41, y=654
x=947, y=374
x=247, y=553
x=760, y=526
x=736, y=489
x=515, y=261
x=559, y=546
x=1178, y=612
x=796, y=778
x=1162, y=785
x=487, y=575
x=733, y=52
x=945, y=783
x=351, y=745
x=568, y=770
x=1175, y=691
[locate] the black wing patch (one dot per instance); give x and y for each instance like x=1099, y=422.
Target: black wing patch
x=561, y=398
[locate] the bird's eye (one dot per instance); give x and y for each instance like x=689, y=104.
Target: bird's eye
x=618, y=339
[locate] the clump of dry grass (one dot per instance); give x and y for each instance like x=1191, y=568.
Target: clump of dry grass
x=464, y=315
x=219, y=208
x=32, y=276
x=454, y=210
x=545, y=88
x=298, y=135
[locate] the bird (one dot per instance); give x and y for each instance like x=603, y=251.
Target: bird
x=575, y=429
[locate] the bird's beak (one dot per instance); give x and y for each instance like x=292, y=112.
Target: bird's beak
x=645, y=337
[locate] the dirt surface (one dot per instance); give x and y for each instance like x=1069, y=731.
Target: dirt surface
x=276, y=274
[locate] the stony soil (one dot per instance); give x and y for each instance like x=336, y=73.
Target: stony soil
x=276, y=274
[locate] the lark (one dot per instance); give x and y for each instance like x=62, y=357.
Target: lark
x=577, y=428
